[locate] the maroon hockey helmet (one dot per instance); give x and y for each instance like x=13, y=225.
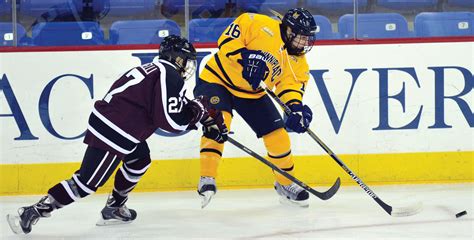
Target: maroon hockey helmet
x=181, y=53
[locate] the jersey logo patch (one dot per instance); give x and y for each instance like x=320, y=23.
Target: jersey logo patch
x=215, y=100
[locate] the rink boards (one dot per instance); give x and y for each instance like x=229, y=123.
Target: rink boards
x=394, y=113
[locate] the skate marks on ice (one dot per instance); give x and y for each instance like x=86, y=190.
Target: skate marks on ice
x=316, y=231
x=257, y=214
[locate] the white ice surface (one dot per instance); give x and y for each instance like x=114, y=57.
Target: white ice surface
x=257, y=214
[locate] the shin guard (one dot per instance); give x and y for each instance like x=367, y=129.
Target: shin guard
x=211, y=151
x=70, y=190
x=127, y=178
x=278, y=147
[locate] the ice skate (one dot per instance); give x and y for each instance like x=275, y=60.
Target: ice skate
x=292, y=195
x=206, y=189
x=111, y=215
x=29, y=215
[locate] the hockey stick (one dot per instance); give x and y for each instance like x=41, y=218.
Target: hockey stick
x=396, y=212
x=322, y=195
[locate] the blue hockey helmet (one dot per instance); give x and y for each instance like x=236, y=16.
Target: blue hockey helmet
x=298, y=31
x=181, y=53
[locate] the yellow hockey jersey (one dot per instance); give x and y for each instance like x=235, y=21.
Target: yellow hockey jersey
x=288, y=74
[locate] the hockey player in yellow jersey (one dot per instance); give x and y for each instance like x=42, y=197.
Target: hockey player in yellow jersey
x=252, y=49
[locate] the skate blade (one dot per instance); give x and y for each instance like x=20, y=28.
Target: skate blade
x=103, y=222
x=288, y=202
x=206, y=198
x=14, y=222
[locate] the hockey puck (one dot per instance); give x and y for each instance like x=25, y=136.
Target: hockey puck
x=460, y=214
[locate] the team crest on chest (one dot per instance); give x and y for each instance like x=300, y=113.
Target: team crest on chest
x=215, y=100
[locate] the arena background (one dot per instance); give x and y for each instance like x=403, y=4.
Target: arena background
x=393, y=112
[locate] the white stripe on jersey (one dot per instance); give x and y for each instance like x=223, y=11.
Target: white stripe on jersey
x=129, y=178
x=108, y=142
x=114, y=127
x=69, y=190
x=164, y=97
x=141, y=171
x=166, y=62
x=137, y=78
x=105, y=173
x=81, y=185
x=98, y=167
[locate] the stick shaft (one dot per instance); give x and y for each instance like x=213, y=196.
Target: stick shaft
x=366, y=188
x=322, y=195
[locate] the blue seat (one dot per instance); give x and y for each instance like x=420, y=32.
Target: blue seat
x=428, y=24
x=207, y=30
x=335, y=5
x=407, y=4
x=461, y=3
x=324, y=30
x=67, y=34
x=36, y=8
x=196, y=7
x=375, y=25
x=5, y=8
x=128, y=7
x=142, y=31
x=257, y=6
x=6, y=34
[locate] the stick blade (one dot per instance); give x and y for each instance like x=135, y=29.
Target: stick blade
x=332, y=191
x=407, y=210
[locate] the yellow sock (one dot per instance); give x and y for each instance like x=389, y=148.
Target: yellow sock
x=211, y=151
x=279, y=153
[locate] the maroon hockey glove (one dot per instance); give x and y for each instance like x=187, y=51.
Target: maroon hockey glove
x=212, y=121
x=198, y=107
x=213, y=126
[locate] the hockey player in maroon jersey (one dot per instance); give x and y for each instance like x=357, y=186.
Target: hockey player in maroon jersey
x=144, y=99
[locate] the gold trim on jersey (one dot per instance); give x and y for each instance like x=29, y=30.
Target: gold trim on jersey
x=224, y=42
x=289, y=91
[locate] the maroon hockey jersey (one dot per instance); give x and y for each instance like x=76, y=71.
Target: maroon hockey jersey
x=144, y=99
